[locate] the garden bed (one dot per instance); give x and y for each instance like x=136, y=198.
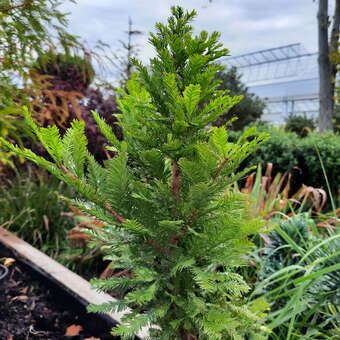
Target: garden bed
x=41, y=299
x=31, y=308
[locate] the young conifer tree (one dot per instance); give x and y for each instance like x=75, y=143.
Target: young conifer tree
x=171, y=216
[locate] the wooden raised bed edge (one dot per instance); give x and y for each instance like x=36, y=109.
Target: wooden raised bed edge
x=74, y=284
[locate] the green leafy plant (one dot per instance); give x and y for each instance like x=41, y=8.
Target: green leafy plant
x=165, y=200
x=11, y=126
x=8, y=129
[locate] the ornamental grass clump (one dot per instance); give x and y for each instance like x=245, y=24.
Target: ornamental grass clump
x=170, y=216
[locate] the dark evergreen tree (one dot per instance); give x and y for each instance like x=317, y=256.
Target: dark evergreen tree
x=123, y=61
x=170, y=213
x=247, y=110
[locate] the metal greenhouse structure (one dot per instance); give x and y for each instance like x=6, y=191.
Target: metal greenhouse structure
x=285, y=77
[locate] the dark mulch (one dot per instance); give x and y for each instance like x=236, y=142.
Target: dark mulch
x=34, y=309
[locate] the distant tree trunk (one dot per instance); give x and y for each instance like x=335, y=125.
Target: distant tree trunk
x=334, y=43
x=327, y=71
x=325, y=93
x=124, y=63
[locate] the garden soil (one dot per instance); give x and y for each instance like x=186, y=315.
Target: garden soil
x=32, y=310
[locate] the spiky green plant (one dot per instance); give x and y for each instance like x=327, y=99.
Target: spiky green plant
x=165, y=200
x=300, y=276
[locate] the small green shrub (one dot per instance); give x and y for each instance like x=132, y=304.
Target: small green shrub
x=287, y=151
x=278, y=151
x=328, y=145
x=301, y=125
x=169, y=213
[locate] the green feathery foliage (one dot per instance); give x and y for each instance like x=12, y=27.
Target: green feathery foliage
x=27, y=29
x=171, y=216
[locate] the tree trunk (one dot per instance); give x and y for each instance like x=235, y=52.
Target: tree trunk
x=334, y=44
x=327, y=69
x=325, y=73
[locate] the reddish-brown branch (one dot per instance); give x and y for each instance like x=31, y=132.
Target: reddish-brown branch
x=26, y=3
x=158, y=247
x=68, y=172
x=121, y=273
x=220, y=167
x=176, y=237
x=175, y=179
x=108, y=207
x=119, y=218
x=107, y=272
x=193, y=215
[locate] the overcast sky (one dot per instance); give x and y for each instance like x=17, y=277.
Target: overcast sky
x=245, y=25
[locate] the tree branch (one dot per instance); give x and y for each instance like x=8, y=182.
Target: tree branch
x=27, y=3
x=220, y=167
x=193, y=215
x=108, y=207
x=175, y=179
x=68, y=172
x=158, y=247
x=176, y=236
x=119, y=218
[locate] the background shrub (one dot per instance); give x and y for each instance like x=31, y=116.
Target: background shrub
x=301, y=125
x=287, y=151
x=329, y=148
